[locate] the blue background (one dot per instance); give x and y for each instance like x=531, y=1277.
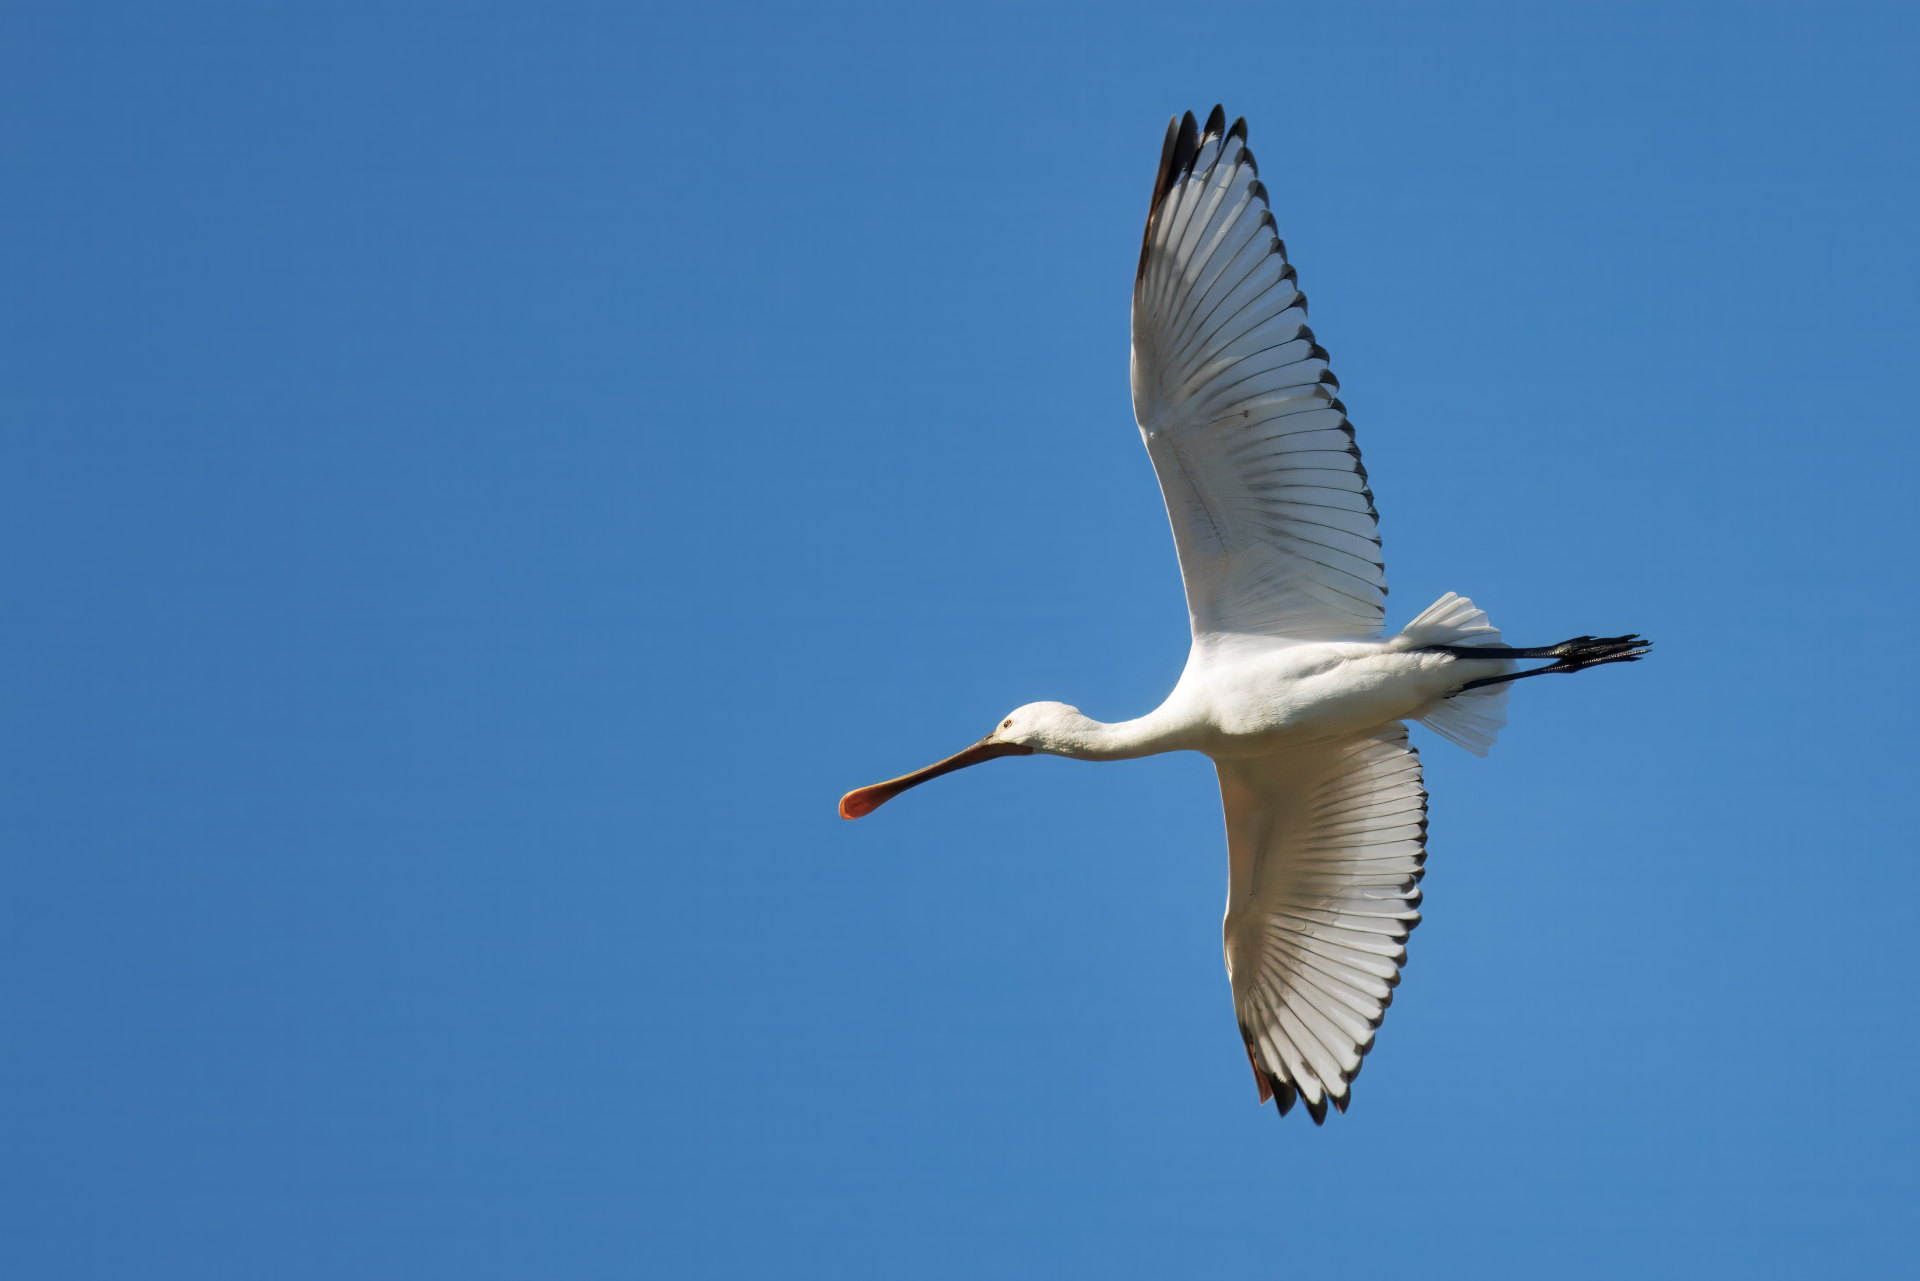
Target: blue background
x=480, y=481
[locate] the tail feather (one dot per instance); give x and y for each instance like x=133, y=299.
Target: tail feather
x=1472, y=719
x=1452, y=620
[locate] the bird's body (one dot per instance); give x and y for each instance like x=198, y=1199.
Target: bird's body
x=1265, y=701
x=1289, y=686
x=1256, y=700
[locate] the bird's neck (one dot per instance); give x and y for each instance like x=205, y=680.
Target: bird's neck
x=1085, y=739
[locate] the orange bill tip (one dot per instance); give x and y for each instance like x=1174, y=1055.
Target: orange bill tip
x=860, y=802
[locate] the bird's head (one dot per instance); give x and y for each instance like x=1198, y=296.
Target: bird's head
x=1041, y=727
x=1037, y=727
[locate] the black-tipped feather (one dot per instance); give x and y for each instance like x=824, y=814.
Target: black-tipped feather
x=1163, y=180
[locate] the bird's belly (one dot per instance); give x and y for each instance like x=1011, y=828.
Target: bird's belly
x=1305, y=703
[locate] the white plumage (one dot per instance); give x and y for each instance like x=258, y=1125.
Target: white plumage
x=1288, y=685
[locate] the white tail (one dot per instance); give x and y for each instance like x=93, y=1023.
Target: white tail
x=1474, y=718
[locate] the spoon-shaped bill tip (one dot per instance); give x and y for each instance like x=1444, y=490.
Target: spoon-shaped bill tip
x=863, y=801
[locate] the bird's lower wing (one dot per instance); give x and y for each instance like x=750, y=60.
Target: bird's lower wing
x=1271, y=512
x=1326, y=845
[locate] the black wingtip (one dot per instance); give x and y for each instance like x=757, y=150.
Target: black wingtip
x=1216, y=122
x=1163, y=176
x=1161, y=182
x=1284, y=1094
x=1318, y=1111
x=1186, y=144
x=1176, y=161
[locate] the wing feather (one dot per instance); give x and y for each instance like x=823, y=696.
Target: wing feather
x=1327, y=845
x=1272, y=516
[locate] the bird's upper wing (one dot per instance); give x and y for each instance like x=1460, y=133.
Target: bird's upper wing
x=1271, y=512
x=1326, y=845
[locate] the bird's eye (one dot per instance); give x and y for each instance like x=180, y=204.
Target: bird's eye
x=1007, y=723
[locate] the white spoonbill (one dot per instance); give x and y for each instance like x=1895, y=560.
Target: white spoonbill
x=1289, y=686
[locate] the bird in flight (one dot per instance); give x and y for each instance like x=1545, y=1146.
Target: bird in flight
x=1289, y=685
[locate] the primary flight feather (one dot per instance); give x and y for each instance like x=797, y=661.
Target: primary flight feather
x=1288, y=685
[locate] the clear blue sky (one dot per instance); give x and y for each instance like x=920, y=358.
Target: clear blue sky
x=479, y=482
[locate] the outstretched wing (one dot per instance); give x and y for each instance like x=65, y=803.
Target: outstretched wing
x=1326, y=845
x=1271, y=512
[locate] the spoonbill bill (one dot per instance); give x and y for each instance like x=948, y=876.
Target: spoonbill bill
x=1289, y=685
